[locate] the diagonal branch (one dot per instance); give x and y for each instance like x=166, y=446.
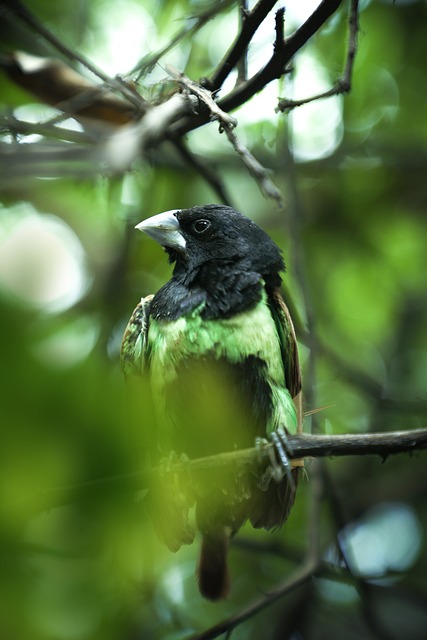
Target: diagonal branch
x=20, y=10
x=204, y=170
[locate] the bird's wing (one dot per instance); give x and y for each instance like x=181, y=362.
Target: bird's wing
x=133, y=354
x=168, y=506
x=289, y=349
x=271, y=508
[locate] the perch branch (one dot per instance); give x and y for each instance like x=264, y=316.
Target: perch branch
x=300, y=446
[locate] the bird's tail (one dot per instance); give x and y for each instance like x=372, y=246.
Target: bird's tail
x=212, y=570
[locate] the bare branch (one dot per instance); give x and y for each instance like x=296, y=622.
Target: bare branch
x=242, y=64
x=193, y=24
x=20, y=127
x=56, y=83
x=256, y=170
x=296, y=579
x=275, y=67
x=320, y=446
x=205, y=96
x=110, y=154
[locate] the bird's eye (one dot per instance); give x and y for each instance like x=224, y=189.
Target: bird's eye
x=200, y=226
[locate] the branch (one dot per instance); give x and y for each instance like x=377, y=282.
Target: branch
x=296, y=579
x=256, y=170
x=343, y=85
x=20, y=127
x=320, y=446
x=56, y=83
x=110, y=155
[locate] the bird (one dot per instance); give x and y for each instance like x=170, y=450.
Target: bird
x=217, y=349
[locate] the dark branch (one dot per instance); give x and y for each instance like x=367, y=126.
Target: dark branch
x=382, y=444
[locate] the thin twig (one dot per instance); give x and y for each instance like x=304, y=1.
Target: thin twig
x=14, y=126
x=242, y=64
x=205, y=96
x=204, y=170
x=296, y=579
x=193, y=24
x=256, y=170
x=343, y=85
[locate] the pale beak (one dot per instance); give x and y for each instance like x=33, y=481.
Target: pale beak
x=164, y=229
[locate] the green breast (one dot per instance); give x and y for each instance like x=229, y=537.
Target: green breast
x=251, y=333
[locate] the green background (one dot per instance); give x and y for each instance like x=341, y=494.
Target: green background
x=79, y=560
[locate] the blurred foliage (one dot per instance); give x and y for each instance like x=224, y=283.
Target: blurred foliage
x=79, y=560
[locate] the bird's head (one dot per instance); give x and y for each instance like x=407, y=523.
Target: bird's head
x=214, y=233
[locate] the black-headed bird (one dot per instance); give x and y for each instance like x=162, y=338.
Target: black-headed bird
x=217, y=349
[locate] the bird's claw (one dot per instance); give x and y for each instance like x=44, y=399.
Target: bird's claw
x=279, y=462
x=168, y=463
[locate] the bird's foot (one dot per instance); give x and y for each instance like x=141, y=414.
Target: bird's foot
x=280, y=465
x=177, y=467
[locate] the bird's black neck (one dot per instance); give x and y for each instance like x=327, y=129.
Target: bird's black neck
x=223, y=288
